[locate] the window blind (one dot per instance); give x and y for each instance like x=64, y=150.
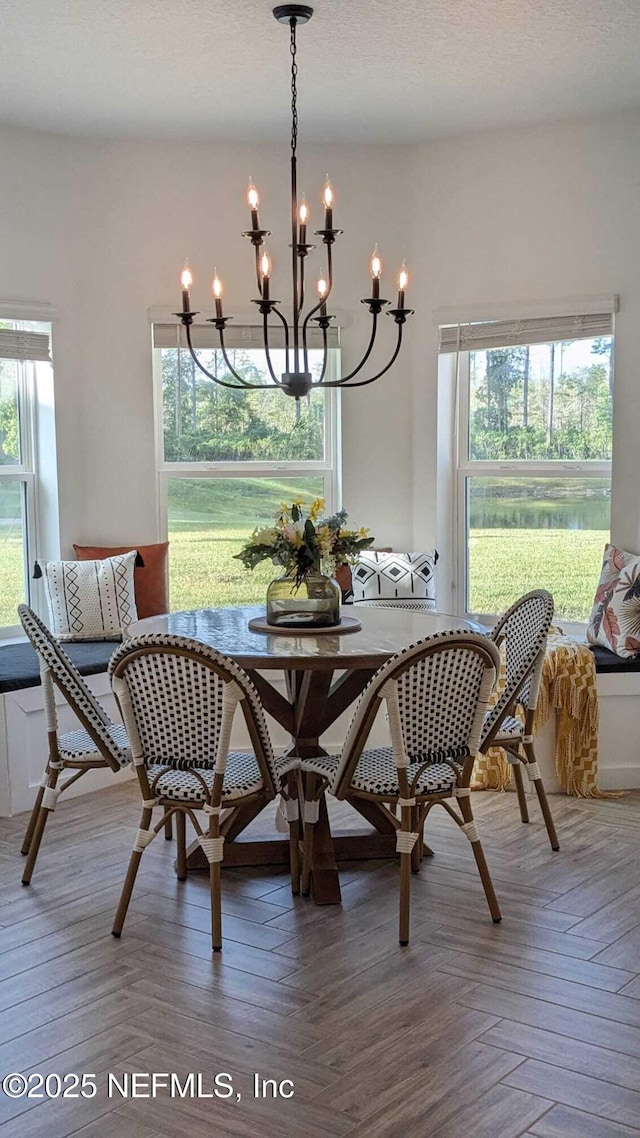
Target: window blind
x=539, y=330
x=15, y=345
x=242, y=336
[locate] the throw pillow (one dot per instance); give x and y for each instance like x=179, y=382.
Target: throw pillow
x=615, y=619
x=89, y=600
x=150, y=578
x=381, y=576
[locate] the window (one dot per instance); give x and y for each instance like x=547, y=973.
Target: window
x=534, y=466
x=22, y=343
x=228, y=459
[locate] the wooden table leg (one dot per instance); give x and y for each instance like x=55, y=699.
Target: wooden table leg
x=314, y=703
x=325, y=883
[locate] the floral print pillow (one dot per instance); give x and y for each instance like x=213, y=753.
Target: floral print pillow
x=615, y=619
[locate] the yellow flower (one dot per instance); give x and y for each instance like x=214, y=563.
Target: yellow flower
x=363, y=532
x=316, y=508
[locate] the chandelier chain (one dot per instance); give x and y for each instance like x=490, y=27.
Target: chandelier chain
x=294, y=87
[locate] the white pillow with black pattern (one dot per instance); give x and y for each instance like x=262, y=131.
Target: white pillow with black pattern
x=90, y=600
x=379, y=576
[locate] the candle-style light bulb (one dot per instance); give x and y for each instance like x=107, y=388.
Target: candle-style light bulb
x=253, y=201
x=403, y=281
x=303, y=217
x=216, y=288
x=327, y=201
x=265, y=273
x=375, y=268
x=186, y=280
x=323, y=289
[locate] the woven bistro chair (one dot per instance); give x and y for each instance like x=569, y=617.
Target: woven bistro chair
x=436, y=693
x=523, y=631
x=99, y=743
x=178, y=700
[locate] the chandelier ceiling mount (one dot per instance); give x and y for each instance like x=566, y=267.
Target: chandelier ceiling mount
x=297, y=380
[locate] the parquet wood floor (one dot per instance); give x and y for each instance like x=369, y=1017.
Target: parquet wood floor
x=531, y=1027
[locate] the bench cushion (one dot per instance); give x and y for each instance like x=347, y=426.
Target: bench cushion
x=19, y=667
x=607, y=661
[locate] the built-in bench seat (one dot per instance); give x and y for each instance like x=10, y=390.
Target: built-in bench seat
x=19, y=667
x=608, y=663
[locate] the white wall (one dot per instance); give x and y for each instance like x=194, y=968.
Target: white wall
x=101, y=230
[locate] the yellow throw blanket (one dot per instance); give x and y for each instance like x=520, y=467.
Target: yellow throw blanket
x=569, y=688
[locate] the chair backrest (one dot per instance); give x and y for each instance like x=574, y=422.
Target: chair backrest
x=523, y=628
x=178, y=699
x=436, y=693
x=56, y=668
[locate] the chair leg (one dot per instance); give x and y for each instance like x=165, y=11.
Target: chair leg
x=181, y=836
x=405, y=891
x=132, y=873
x=47, y=805
x=522, y=794
x=168, y=825
x=534, y=773
x=417, y=851
x=471, y=832
x=26, y=844
x=215, y=880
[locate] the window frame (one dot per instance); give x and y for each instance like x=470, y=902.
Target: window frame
x=25, y=473
x=329, y=467
x=467, y=468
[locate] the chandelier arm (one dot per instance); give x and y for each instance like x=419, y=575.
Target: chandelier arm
x=325, y=356
x=210, y=375
x=301, y=300
x=364, y=382
x=372, y=340
x=258, y=277
x=265, y=334
x=317, y=307
x=286, y=333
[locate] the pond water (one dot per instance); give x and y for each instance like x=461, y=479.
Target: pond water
x=539, y=503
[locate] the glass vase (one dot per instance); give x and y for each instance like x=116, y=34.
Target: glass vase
x=313, y=603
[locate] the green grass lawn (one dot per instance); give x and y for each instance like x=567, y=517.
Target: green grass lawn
x=11, y=579
x=504, y=564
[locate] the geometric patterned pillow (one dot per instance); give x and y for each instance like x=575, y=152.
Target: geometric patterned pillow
x=90, y=600
x=615, y=619
x=381, y=576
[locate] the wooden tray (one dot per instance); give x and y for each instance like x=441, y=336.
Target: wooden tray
x=347, y=624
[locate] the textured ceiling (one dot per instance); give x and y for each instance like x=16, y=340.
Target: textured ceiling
x=370, y=69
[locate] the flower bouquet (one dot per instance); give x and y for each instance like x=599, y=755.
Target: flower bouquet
x=302, y=541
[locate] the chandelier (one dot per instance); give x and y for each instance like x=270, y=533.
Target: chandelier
x=296, y=380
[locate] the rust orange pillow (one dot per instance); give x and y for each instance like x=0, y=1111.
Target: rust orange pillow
x=151, y=580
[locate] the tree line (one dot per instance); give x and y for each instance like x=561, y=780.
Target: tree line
x=554, y=414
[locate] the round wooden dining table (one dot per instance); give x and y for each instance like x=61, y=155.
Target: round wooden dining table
x=324, y=674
